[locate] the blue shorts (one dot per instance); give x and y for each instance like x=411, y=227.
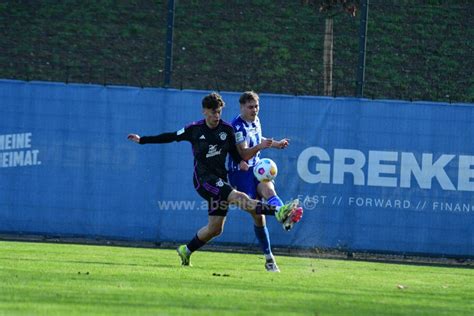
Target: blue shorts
x=244, y=181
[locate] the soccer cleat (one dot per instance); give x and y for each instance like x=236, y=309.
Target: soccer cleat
x=285, y=210
x=183, y=254
x=294, y=218
x=289, y=214
x=271, y=266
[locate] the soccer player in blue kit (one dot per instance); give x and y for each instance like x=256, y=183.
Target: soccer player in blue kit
x=212, y=140
x=250, y=142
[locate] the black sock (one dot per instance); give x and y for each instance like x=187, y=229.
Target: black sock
x=195, y=244
x=265, y=209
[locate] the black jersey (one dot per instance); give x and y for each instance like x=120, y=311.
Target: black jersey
x=210, y=146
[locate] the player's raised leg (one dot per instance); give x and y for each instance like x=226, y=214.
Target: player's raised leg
x=288, y=214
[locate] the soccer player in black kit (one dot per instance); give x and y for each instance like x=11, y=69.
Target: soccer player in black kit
x=212, y=139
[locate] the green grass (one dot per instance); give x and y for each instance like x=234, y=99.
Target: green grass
x=60, y=279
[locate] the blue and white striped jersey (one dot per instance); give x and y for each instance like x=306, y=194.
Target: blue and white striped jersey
x=250, y=132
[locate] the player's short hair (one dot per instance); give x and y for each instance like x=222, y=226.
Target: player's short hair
x=213, y=101
x=248, y=96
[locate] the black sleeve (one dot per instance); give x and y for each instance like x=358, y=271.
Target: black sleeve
x=234, y=153
x=182, y=134
x=159, y=139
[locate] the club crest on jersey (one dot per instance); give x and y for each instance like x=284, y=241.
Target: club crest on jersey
x=223, y=135
x=220, y=183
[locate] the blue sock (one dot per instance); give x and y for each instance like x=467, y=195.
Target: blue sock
x=275, y=201
x=264, y=239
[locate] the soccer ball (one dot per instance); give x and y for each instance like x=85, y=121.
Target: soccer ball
x=265, y=170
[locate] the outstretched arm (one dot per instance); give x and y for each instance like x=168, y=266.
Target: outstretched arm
x=158, y=139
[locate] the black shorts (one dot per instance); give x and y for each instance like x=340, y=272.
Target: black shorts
x=215, y=191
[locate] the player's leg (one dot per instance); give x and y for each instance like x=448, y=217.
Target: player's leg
x=246, y=182
x=215, y=192
x=287, y=214
x=263, y=237
x=268, y=192
x=214, y=228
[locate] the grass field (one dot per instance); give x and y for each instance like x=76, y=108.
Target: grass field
x=63, y=279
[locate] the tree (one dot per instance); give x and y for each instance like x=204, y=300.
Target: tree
x=331, y=8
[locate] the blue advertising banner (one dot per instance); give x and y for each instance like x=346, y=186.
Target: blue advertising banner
x=372, y=175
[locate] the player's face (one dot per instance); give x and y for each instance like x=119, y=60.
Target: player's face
x=212, y=117
x=249, y=110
